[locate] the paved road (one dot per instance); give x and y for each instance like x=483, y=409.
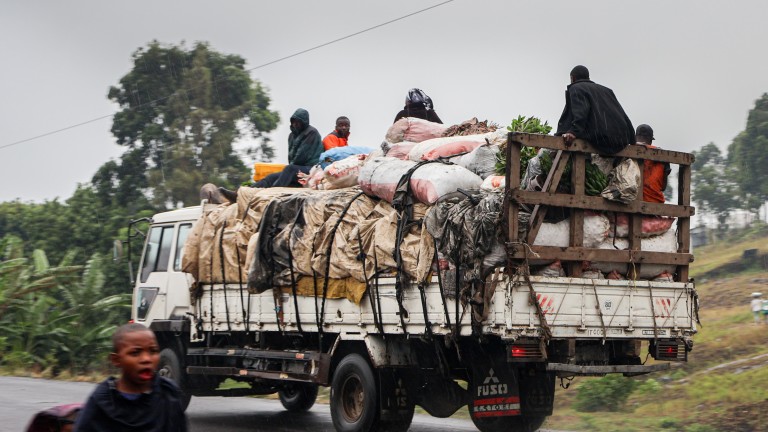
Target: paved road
x=21, y=398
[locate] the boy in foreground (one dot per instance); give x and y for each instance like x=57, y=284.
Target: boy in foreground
x=139, y=400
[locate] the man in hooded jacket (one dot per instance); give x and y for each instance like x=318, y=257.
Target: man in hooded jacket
x=304, y=147
x=593, y=113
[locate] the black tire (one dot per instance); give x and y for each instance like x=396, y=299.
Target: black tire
x=170, y=367
x=354, y=396
x=298, y=397
x=508, y=424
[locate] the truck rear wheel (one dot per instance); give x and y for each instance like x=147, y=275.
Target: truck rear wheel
x=170, y=367
x=508, y=424
x=354, y=401
x=298, y=397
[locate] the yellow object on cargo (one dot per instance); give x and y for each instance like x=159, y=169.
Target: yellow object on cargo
x=263, y=169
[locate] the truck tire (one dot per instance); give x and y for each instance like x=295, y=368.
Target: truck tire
x=298, y=397
x=170, y=367
x=508, y=424
x=354, y=396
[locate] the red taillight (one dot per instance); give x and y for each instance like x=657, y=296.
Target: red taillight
x=670, y=350
x=525, y=352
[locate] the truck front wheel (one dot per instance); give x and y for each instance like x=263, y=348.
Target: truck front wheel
x=354, y=401
x=298, y=397
x=170, y=367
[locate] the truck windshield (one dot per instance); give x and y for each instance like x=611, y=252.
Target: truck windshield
x=158, y=251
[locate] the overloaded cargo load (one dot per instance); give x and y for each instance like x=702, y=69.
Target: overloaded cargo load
x=288, y=237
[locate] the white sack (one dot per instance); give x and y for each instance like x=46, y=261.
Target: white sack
x=666, y=242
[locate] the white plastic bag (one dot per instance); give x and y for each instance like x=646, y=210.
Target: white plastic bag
x=623, y=182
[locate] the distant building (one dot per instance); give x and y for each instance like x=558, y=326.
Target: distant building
x=698, y=236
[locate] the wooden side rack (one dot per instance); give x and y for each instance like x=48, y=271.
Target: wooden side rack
x=577, y=201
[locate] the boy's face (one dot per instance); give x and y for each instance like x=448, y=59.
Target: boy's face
x=137, y=356
x=342, y=127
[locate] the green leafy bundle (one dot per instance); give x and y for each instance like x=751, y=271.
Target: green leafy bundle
x=526, y=125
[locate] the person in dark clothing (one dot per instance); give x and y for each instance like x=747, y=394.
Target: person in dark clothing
x=139, y=400
x=593, y=113
x=419, y=105
x=304, y=147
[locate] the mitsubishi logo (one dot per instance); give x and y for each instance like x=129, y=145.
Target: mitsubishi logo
x=492, y=386
x=490, y=378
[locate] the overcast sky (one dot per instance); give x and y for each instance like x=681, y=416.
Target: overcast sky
x=690, y=68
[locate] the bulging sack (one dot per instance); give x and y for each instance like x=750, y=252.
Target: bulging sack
x=380, y=177
x=415, y=130
x=452, y=146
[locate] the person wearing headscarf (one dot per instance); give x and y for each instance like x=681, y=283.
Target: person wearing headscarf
x=419, y=105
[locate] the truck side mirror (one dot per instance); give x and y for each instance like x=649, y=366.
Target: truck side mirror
x=117, y=251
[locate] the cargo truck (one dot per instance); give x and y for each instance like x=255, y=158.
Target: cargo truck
x=498, y=350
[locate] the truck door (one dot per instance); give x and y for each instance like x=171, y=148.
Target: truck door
x=161, y=291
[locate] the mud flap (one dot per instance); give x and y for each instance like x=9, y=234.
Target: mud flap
x=494, y=389
x=537, y=391
x=395, y=399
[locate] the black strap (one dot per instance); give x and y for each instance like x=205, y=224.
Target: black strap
x=332, y=235
x=368, y=288
x=246, y=315
x=402, y=202
x=223, y=274
x=293, y=290
x=442, y=293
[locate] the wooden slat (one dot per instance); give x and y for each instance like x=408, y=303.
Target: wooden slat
x=599, y=204
x=633, y=151
x=636, y=225
x=550, y=185
x=518, y=252
x=684, y=224
x=512, y=182
x=576, y=239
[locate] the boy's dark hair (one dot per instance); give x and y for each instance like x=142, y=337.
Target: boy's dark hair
x=580, y=72
x=123, y=330
x=342, y=118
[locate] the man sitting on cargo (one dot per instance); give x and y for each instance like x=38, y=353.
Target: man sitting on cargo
x=593, y=113
x=654, y=173
x=304, y=148
x=339, y=136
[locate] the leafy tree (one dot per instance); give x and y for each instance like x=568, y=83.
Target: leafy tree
x=608, y=393
x=50, y=316
x=713, y=189
x=180, y=113
x=28, y=313
x=94, y=317
x=748, y=155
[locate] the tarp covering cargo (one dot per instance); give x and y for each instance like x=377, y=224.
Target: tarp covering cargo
x=278, y=237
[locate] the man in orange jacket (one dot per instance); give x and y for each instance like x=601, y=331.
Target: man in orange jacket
x=654, y=173
x=339, y=137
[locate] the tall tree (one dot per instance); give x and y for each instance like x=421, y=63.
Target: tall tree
x=748, y=155
x=714, y=190
x=181, y=112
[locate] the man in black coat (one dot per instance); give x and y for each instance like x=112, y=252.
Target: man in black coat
x=593, y=113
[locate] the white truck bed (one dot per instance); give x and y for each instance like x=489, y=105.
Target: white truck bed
x=572, y=307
